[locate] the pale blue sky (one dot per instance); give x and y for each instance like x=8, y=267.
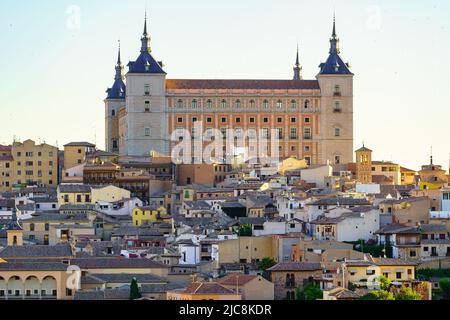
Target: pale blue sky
x=54, y=76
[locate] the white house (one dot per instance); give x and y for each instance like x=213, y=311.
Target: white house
x=118, y=208
x=189, y=252
x=349, y=226
x=317, y=174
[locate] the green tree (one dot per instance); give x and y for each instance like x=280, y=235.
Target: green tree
x=445, y=289
x=407, y=293
x=134, y=290
x=385, y=283
x=245, y=230
x=266, y=263
x=378, y=295
x=310, y=291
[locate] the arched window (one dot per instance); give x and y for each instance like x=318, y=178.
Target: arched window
x=209, y=104
x=307, y=104
x=180, y=103
x=223, y=104
x=252, y=104
x=238, y=104
x=279, y=104
x=294, y=104
x=113, y=113
x=194, y=104
x=265, y=104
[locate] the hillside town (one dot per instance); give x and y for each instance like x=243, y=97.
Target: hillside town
x=86, y=224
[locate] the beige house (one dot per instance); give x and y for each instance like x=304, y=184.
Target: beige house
x=410, y=211
x=6, y=168
x=28, y=164
x=244, y=250
x=109, y=194
x=75, y=153
x=251, y=287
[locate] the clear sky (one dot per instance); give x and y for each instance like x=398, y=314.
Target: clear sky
x=57, y=59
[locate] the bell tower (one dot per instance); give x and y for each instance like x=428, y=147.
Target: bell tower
x=364, y=165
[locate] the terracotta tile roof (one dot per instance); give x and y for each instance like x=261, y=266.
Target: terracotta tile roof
x=296, y=266
x=236, y=279
x=207, y=288
x=243, y=84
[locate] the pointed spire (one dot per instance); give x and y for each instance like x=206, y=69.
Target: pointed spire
x=334, y=25
x=145, y=23
x=119, y=66
x=334, y=41
x=145, y=37
x=298, y=67
x=119, y=59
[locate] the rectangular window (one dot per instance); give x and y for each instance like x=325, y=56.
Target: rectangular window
x=147, y=132
x=147, y=106
x=252, y=120
x=307, y=134
x=147, y=89
x=293, y=134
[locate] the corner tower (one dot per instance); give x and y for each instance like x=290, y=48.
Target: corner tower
x=114, y=101
x=336, y=121
x=145, y=103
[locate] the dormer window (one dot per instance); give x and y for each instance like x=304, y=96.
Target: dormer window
x=147, y=66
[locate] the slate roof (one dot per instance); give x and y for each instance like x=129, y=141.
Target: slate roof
x=123, y=278
x=80, y=144
x=116, y=263
x=145, y=59
x=341, y=201
x=32, y=266
x=36, y=251
x=394, y=262
x=296, y=266
x=74, y=188
x=58, y=217
x=117, y=91
x=217, y=84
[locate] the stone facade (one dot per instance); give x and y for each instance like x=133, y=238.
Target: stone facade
x=314, y=118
